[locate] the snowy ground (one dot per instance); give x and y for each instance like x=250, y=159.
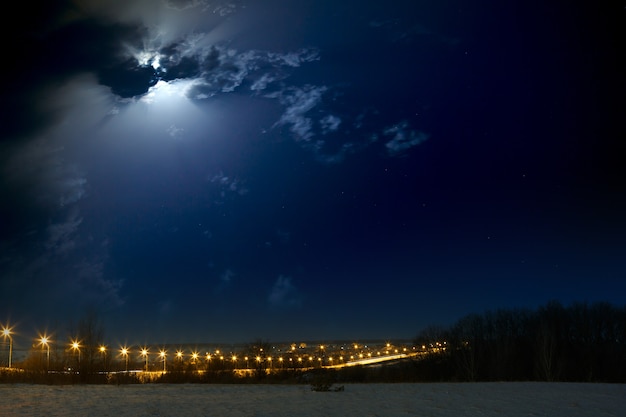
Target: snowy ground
x=477, y=399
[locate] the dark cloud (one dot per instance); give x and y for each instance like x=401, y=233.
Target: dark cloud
x=127, y=79
x=49, y=47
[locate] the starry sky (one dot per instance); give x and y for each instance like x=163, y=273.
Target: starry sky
x=199, y=170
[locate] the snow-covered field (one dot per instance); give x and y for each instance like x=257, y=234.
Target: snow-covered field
x=445, y=399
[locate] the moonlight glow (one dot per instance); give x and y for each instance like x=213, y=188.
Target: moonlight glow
x=313, y=170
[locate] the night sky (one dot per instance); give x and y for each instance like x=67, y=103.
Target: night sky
x=198, y=170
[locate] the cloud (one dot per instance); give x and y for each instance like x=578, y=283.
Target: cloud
x=403, y=138
x=227, y=276
x=299, y=101
x=39, y=168
x=61, y=235
x=224, y=70
x=175, y=131
x=225, y=282
x=222, y=8
x=229, y=185
x=48, y=48
x=317, y=130
x=226, y=8
x=284, y=294
x=184, y=4
x=95, y=287
x=330, y=124
x=262, y=82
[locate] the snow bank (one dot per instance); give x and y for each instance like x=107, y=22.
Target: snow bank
x=471, y=399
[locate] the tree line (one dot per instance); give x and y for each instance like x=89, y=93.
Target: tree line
x=580, y=342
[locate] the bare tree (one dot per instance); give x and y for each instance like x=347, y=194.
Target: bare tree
x=546, y=353
x=89, y=335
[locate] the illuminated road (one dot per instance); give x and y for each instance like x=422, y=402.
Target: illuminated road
x=372, y=360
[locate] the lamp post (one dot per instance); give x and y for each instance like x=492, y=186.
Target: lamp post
x=163, y=356
x=103, y=350
x=44, y=341
x=6, y=332
x=144, y=353
x=76, y=347
x=124, y=352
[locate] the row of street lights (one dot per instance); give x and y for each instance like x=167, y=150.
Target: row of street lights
x=75, y=345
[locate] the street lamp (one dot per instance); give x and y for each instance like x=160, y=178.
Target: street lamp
x=163, y=356
x=76, y=347
x=144, y=353
x=6, y=332
x=44, y=341
x=124, y=352
x=103, y=350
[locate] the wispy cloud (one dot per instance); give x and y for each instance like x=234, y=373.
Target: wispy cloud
x=298, y=101
x=222, y=8
x=227, y=276
x=175, y=131
x=284, y=294
x=403, y=138
x=223, y=70
x=228, y=184
x=95, y=286
x=330, y=124
x=61, y=236
x=39, y=168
